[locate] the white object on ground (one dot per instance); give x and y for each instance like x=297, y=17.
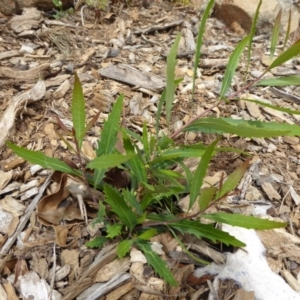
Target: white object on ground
x=249, y=267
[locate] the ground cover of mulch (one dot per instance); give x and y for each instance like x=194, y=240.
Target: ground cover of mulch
x=123, y=51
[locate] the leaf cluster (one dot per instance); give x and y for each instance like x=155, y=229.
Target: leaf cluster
x=146, y=204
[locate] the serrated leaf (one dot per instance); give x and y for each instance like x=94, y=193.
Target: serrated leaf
x=170, y=85
x=233, y=179
x=248, y=222
x=242, y=128
x=208, y=231
x=206, y=196
x=124, y=247
x=200, y=40
x=78, y=111
x=97, y=242
x=232, y=65
x=113, y=230
x=132, y=201
x=148, y=234
x=200, y=172
x=280, y=81
x=108, y=161
x=119, y=206
x=110, y=129
x=291, y=52
x=159, y=266
x=39, y=158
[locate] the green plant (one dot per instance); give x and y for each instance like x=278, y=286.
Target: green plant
x=60, y=13
x=146, y=204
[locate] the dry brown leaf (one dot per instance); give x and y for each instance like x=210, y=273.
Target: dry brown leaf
x=54, y=208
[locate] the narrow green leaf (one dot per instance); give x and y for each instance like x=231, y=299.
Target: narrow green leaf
x=146, y=142
x=291, y=52
x=142, y=218
x=98, y=176
x=200, y=40
x=113, y=230
x=170, y=86
x=233, y=180
x=288, y=30
x=185, y=250
x=39, y=158
x=232, y=65
x=119, y=206
x=248, y=222
x=177, y=153
x=110, y=129
x=242, y=128
x=160, y=192
x=132, y=201
x=164, y=142
x=91, y=124
x=168, y=173
x=138, y=168
x=200, y=173
x=275, y=33
x=252, y=33
x=136, y=163
x=152, y=144
x=148, y=234
x=69, y=146
x=97, y=242
x=280, y=81
x=206, y=196
x=159, y=266
x=108, y=161
x=100, y=214
x=78, y=111
x=161, y=101
x=161, y=217
x=286, y=110
x=208, y=231
x=188, y=173
x=124, y=247
x=132, y=134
